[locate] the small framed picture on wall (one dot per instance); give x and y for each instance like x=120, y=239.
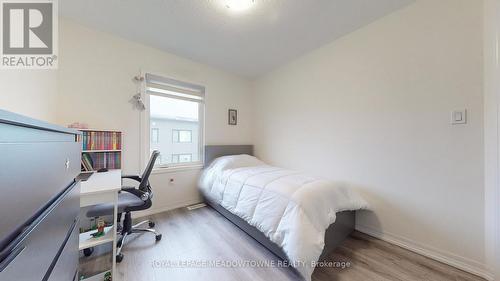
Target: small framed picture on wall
x=233, y=117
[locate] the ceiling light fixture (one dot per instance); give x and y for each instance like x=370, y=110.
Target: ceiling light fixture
x=239, y=5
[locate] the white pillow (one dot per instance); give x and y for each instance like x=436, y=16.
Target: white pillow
x=224, y=163
x=235, y=161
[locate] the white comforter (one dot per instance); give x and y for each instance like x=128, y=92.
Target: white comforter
x=292, y=209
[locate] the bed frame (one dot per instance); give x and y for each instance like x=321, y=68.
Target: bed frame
x=334, y=235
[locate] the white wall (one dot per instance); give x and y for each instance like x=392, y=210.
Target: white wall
x=372, y=109
x=491, y=127
x=29, y=92
x=95, y=86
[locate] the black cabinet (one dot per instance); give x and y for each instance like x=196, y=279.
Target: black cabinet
x=39, y=200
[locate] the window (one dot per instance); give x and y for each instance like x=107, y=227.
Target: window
x=181, y=158
x=175, y=109
x=155, y=135
x=182, y=136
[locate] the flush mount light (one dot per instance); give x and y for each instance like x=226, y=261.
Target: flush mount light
x=239, y=5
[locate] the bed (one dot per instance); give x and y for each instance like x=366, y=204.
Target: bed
x=269, y=236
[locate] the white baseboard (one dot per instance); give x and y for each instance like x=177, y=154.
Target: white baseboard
x=162, y=209
x=454, y=260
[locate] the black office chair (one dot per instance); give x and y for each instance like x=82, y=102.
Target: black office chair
x=130, y=199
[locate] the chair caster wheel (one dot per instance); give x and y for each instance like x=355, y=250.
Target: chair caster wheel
x=151, y=224
x=119, y=257
x=158, y=237
x=88, y=252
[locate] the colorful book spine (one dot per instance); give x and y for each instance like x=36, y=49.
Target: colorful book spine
x=93, y=140
x=107, y=147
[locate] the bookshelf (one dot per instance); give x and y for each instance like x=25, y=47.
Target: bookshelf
x=101, y=149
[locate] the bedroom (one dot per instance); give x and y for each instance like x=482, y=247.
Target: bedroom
x=360, y=93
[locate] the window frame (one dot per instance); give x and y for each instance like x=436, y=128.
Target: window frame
x=146, y=128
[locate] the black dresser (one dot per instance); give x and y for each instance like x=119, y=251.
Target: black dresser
x=39, y=200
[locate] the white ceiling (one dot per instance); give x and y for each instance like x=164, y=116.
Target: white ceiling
x=249, y=44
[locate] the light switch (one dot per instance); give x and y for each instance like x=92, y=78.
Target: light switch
x=459, y=117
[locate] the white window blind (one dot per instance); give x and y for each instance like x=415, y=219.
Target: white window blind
x=175, y=89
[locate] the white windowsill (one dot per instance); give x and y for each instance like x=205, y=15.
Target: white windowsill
x=174, y=169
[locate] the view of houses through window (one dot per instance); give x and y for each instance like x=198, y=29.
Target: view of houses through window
x=176, y=139
x=182, y=136
x=155, y=135
x=181, y=158
x=175, y=120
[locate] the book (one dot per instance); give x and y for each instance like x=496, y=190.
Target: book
x=87, y=160
x=101, y=149
x=101, y=140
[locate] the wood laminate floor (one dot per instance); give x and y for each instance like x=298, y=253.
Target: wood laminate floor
x=193, y=239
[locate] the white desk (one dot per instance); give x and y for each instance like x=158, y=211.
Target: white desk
x=101, y=188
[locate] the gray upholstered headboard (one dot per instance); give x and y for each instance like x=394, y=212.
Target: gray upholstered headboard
x=214, y=151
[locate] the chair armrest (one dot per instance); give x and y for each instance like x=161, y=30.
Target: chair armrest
x=132, y=177
x=141, y=194
x=128, y=188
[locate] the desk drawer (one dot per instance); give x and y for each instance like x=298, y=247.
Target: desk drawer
x=38, y=246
